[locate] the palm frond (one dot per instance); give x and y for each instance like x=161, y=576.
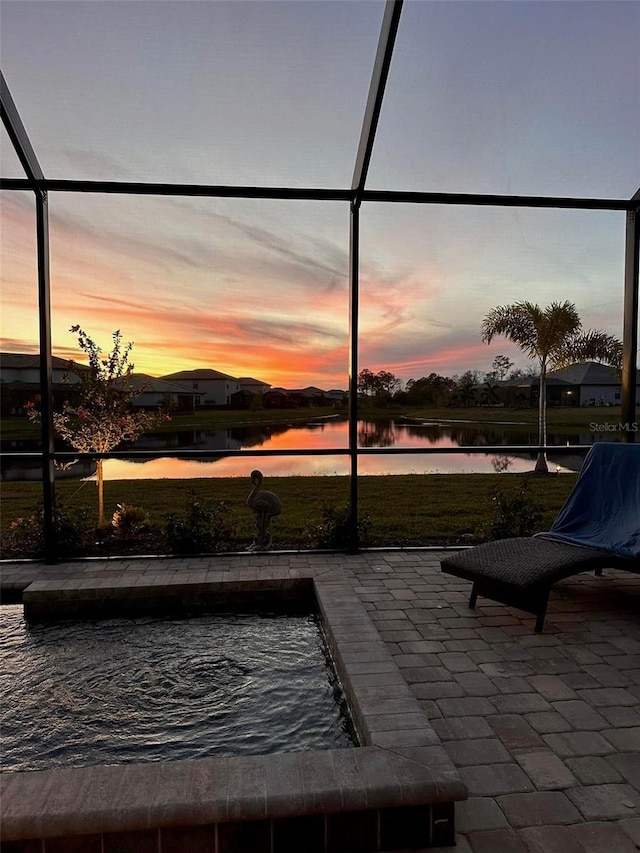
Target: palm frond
x=516, y=322
x=592, y=345
x=559, y=321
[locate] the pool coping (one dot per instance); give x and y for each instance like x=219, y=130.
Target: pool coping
x=399, y=765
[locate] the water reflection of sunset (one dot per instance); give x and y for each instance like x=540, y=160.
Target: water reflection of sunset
x=190, y=469
x=312, y=466
x=331, y=436
x=314, y=435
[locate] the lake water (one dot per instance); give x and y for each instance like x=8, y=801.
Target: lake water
x=332, y=434
x=322, y=435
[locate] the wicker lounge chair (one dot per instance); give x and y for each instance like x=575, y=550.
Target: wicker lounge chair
x=597, y=528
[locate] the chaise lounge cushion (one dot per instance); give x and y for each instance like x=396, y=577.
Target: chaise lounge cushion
x=603, y=509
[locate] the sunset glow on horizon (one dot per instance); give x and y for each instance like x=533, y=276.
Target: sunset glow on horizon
x=260, y=288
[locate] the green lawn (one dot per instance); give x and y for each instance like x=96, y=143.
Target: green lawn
x=404, y=510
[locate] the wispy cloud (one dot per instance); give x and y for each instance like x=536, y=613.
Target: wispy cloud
x=25, y=345
x=325, y=260
x=206, y=288
x=93, y=165
x=170, y=238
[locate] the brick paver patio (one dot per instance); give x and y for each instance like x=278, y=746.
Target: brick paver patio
x=544, y=728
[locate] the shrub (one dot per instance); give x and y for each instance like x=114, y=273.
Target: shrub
x=129, y=522
x=202, y=527
x=516, y=514
x=333, y=531
x=75, y=533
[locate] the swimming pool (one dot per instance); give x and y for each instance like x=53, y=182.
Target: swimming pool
x=395, y=788
x=158, y=688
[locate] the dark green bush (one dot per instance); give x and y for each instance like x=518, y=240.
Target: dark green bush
x=516, y=514
x=75, y=533
x=333, y=530
x=202, y=527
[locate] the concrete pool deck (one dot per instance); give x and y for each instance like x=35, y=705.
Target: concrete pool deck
x=543, y=730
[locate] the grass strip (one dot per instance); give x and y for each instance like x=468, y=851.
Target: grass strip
x=404, y=510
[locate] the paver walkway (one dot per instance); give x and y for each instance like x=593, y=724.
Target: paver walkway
x=544, y=728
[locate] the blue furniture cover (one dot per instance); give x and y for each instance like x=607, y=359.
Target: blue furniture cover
x=603, y=510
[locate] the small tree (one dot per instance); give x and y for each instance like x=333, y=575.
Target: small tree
x=500, y=366
x=102, y=419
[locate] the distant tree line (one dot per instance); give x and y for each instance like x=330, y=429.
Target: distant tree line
x=471, y=388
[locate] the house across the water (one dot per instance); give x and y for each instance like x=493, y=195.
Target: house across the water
x=584, y=384
x=214, y=388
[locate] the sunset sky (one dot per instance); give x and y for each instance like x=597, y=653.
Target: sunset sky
x=537, y=98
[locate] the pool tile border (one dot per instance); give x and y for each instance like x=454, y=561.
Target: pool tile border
x=399, y=766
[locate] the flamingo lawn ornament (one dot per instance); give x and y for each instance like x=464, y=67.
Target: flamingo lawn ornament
x=265, y=505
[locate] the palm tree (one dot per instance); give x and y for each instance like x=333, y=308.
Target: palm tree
x=554, y=337
x=489, y=394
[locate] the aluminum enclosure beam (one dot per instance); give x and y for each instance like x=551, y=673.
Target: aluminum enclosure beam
x=200, y=190
x=68, y=455
x=354, y=291
x=381, y=66
x=628, y=415
x=318, y=194
x=23, y=148
x=18, y=135
x=408, y=197
x=46, y=379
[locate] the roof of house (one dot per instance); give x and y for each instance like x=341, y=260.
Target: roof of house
x=587, y=373
x=310, y=391
x=252, y=391
x=584, y=373
x=30, y=361
x=533, y=381
x=249, y=380
x=144, y=383
x=202, y=373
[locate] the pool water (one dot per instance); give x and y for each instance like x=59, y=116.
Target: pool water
x=164, y=688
